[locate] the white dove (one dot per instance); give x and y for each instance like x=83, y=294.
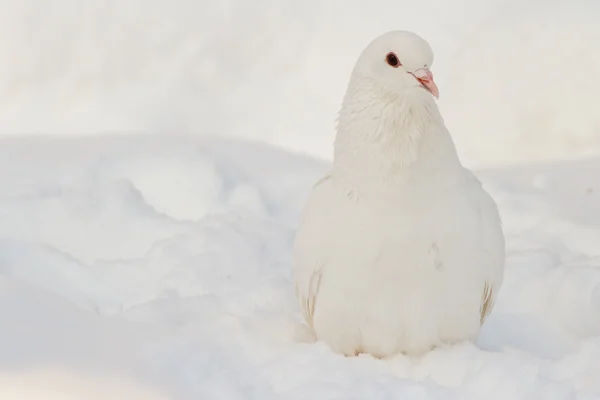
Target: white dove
x=399, y=248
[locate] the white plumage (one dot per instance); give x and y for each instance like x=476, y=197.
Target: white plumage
x=399, y=247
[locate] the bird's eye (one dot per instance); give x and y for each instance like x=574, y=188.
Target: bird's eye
x=392, y=60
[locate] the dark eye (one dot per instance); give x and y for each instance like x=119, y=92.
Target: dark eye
x=392, y=59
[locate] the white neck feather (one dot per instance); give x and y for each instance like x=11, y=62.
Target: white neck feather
x=385, y=137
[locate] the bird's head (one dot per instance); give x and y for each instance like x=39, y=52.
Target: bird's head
x=400, y=62
x=389, y=116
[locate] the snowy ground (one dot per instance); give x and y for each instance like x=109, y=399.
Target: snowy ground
x=158, y=268
x=147, y=265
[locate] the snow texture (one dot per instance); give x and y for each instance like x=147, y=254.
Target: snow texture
x=111, y=279
x=145, y=253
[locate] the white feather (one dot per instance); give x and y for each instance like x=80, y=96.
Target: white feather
x=399, y=248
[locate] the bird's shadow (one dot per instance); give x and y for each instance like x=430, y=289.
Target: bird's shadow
x=524, y=332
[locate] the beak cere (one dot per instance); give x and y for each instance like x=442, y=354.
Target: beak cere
x=425, y=77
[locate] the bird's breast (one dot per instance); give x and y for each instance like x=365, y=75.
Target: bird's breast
x=399, y=236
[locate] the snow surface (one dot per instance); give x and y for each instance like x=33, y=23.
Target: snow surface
x=158, y=267
x=144, y=254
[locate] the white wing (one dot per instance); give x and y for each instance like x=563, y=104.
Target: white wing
x=494, y=247
x=311, y=248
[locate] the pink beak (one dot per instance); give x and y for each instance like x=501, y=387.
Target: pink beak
x=425, y=77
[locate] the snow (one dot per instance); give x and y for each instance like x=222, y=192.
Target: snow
x=111, y=279
x=146, y=225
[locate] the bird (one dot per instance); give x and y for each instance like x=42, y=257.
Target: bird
x=399, y=249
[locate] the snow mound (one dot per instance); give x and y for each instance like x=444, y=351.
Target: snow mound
x=57, y=384
x=140, y=293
